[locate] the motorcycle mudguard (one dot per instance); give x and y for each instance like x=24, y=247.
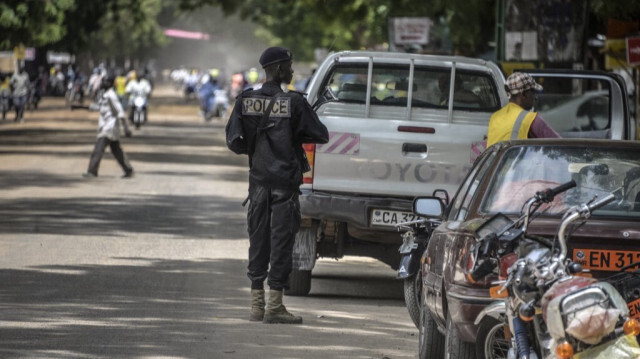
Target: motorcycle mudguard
x=494, y=310
x=409, y=264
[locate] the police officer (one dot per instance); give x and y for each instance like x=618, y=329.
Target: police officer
x=515, y=120
x=270, y=126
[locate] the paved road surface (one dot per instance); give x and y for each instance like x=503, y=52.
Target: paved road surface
x=154, y=266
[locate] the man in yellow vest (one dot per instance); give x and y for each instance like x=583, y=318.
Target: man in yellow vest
x=515, y=120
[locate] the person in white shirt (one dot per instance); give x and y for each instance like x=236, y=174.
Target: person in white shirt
x=137, y=87
x=20, y=89
x=111, y=115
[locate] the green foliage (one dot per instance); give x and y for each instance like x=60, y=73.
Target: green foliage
x=130, y=28
x=32, y=23
x=304, y=25
x=616, y=9
x=127, y=28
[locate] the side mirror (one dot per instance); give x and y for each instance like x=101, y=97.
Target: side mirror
x=431, y=207
x=327, y=95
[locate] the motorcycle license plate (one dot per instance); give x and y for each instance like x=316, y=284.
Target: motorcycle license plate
x=384, y=217
x=604, y=260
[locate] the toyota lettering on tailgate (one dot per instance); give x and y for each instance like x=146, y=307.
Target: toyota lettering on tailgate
x=604, y=260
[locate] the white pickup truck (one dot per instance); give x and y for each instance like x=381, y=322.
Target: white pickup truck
x=402, y=125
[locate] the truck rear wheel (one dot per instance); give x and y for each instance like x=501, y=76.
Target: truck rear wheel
x=299, y=283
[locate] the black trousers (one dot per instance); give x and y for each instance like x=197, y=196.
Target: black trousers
x=98, y=152
x=273, y=221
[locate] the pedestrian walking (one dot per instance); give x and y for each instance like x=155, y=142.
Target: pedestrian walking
x=20, y=89
x=111, y=115
x=270, y=126
x=516, y=120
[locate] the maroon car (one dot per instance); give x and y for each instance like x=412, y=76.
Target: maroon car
x=457, y=316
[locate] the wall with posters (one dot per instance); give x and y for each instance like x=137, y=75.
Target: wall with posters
x=544, y=30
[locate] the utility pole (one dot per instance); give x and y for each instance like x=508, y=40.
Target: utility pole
x=499, y=49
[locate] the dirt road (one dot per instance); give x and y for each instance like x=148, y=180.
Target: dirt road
x=154, y=266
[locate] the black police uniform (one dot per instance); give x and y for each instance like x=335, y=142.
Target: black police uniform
x=275, y=174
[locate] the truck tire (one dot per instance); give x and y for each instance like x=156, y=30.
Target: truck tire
x=299, y=283
x=491, y=342
x=455, y=347
x=412, y=290
x=430, y=341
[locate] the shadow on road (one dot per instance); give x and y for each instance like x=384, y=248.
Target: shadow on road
x=167, y=308
x=185, y=216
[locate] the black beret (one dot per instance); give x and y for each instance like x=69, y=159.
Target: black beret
x=274, y=55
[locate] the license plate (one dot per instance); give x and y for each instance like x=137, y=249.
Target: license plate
x=383, y=217
x=604, y=260
x=634, y=309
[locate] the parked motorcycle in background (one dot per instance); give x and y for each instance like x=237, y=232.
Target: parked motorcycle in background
x=549, y=308
x=414, y=242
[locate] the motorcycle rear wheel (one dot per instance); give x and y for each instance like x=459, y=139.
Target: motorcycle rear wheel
x=412, y=290
x=137, y=118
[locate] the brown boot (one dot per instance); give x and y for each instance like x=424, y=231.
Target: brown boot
x=257, y=305
x=276, y=312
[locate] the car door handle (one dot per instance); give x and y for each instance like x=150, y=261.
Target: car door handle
x=414, y=147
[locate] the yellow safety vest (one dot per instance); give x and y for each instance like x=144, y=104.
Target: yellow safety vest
x=120, y=85
x=4, y=84
x=509, y=123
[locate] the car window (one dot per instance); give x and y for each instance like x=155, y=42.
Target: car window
x=524, y=170
x=467, y=190
x=390, y=87
x=576, y=107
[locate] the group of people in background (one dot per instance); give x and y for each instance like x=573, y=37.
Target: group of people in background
x=18, y=91
x=214, y=90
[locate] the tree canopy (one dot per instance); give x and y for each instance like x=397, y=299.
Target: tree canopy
x=129, y=28
x=34, y=23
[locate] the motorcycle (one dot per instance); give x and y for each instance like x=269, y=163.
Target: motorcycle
x=214, y=103
x=5, y=102
x=138, y=114
x=34, y=96
x=414, y=243
x=74, y=95
x=550, y=310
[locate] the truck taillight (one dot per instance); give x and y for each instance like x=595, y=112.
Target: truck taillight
x=310, y=149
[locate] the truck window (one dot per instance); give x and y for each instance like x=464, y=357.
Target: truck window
x=390, y=87
x=472, y=91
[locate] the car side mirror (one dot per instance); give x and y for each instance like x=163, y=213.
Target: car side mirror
x=327, y=95
x=430, y=207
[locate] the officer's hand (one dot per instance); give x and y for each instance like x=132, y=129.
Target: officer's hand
x=127, y=132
